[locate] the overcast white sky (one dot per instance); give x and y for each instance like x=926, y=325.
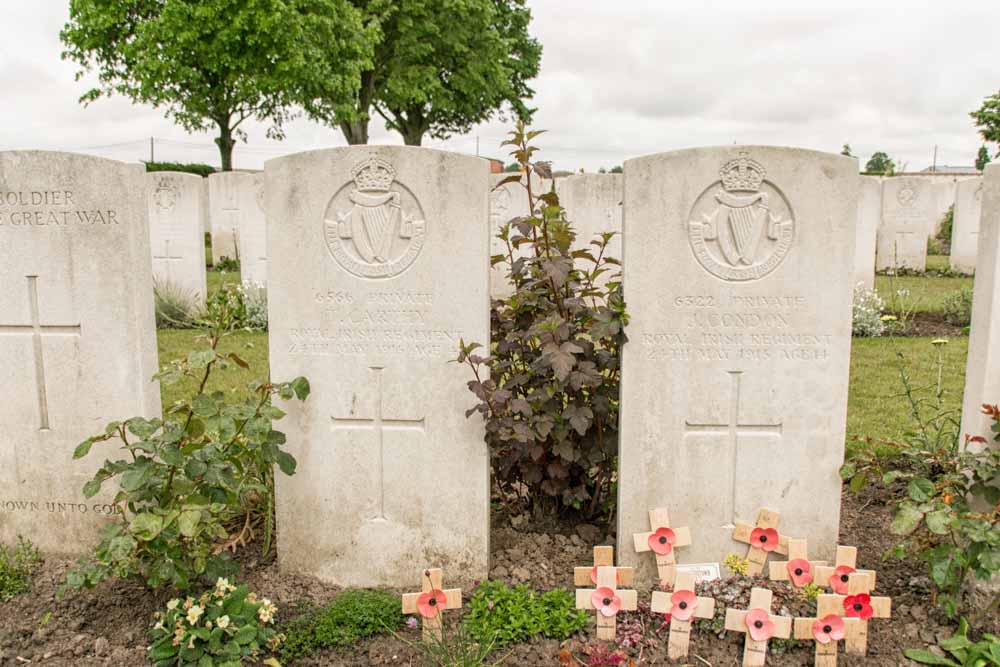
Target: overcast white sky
x=620, y=78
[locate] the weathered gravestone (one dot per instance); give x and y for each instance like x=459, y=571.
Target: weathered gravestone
x=593, y=203
x=965, y=225
x=233, y=202
x=908, y=210
x=380, y=268
x=175, y=231
x=509, y=202
x=253, y=236
x=734, y=381
x=869, y=216
x=77, y=336
x=982, y=371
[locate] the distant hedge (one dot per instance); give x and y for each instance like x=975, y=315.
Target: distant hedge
x=202, y=170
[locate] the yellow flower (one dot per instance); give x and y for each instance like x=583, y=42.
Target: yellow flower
x=223, y=622
x=939, y=341
x=194, y=613
x=888, y=318
x=173, y=604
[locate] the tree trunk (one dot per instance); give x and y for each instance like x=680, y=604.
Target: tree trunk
x=225, y=142
x=412, y=136
x=356, y=132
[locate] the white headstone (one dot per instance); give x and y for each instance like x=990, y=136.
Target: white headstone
x=944, y=198
x=982, y=371
x=734, y=380
x=77, y=335
x=908, y=210
x=869, y=216
x=175, y=230
x=965, y=226
x=232, y=197
x=593, y=203
x=253, y=236
x=380, y=268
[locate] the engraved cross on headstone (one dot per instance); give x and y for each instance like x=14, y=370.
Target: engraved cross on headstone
x=167, y=258
x=380, y=425
x=732, y=430
x=37, y=330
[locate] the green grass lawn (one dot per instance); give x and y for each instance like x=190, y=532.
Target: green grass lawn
x=926, y=293
x=250, y=346
x=938, y=262
x=876, y=405
x=217, y=279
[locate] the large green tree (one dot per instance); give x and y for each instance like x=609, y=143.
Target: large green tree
x=439, y=67
x=880, y=163
x=987, y=119
x=219, y=62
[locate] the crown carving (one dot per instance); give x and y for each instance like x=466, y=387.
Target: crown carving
x=373, y=175
x=742, y=174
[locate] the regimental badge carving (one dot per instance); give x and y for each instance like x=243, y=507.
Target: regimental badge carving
x=166, y=194
x=741, y=227
x=907, y=194
x=374, y=227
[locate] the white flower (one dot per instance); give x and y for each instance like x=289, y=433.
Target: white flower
x=173, y=604
x=159, y=626
x=223, y=622
x=194, y=613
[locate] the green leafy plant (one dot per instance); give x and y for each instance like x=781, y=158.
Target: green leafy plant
x=946, y=500
x=867, y=312
x=958, y=307
x=192, y=485
x=17, y=563
x=943, y=236
x=227, y=264
x=503, y=615
x=457, y=648
x=218, y=629
x=245, y=304
x=176, y=308
x=352, y=615
x=964, y=653
x=549, y=388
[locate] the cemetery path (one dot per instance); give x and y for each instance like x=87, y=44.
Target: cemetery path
x=107, y=626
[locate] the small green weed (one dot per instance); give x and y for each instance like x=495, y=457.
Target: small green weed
x=964, y=653
x=506, y=615
x=351, y=616
x=16, y=566
x=459, y=649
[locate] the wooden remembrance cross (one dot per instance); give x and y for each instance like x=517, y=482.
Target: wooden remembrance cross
x=838, y=576
x=380, y=425
x=37, y=331
x=431, y=602
x=826, y=629
x=607, y=600
x=603, y=557
x=759, y=625
x=684, y=606
x=662, y=541
x=763, y=538
x=859, y=604
x=798, y=568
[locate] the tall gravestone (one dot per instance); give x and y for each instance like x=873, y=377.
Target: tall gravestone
x=593, y=203
x=77, y=335
x=944, y=188
x=380, y=268
x=869, y=216
x=982, y=372
x=231, y=198
x=734, y=380
x=253, y=235
x=176, y=238
x=965, y=225
x=908, y=210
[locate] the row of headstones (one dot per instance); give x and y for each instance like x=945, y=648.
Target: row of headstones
x=897, y=215
x=734, y=381
x=183, y=207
